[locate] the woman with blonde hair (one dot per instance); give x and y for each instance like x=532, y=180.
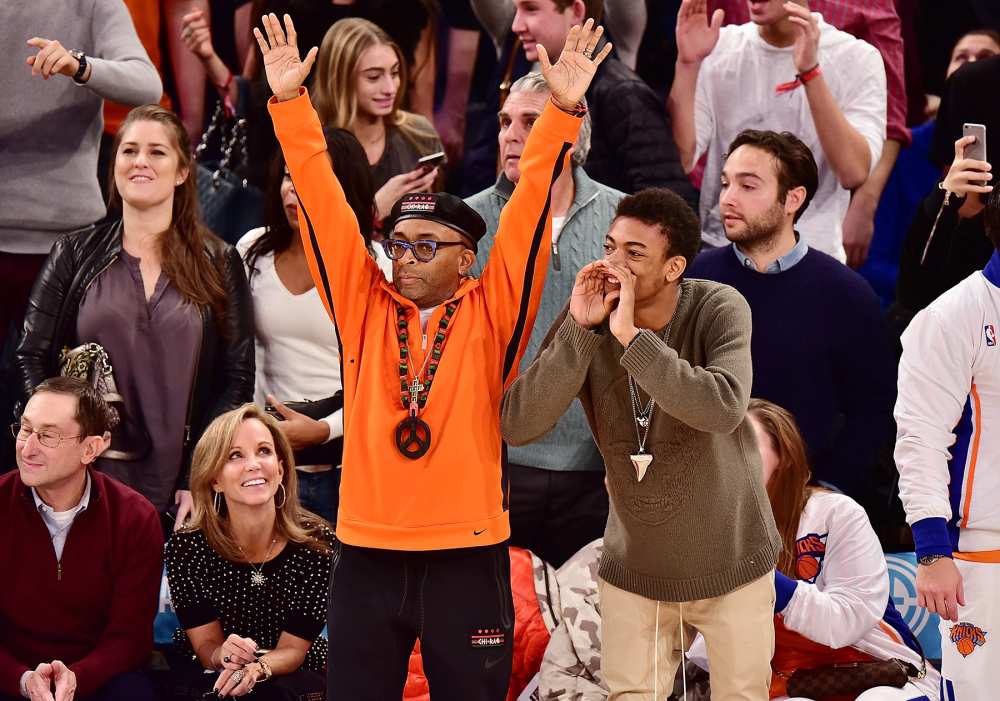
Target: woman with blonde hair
x=249, y=576
x=359, y=74
x=832, y=584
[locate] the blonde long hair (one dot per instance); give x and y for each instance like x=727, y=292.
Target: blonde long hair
x=788, y=489
x=292, y=522
x=334, y=90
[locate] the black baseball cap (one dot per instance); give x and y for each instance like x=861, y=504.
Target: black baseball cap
x=441, y=207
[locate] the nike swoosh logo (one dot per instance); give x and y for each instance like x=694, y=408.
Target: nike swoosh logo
x=479, y=532
x=490, y=664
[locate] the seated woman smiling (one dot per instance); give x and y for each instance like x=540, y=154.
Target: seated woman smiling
x=249, y=575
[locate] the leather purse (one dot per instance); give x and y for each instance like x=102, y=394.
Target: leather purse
x=330, y=453
x=229, y=205
x=851, y=678
x=90, y=362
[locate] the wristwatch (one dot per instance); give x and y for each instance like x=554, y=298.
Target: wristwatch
x=82, y=59
x=930, y=559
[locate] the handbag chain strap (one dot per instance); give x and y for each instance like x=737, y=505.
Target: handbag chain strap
x=232, y=139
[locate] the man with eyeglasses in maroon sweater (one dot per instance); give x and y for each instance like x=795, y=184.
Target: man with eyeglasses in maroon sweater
x=82, y=557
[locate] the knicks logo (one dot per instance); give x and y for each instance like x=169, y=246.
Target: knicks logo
x=967, y=637
x=809, y=553
x=991, y=335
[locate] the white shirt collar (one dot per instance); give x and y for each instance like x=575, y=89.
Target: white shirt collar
x=81, y=506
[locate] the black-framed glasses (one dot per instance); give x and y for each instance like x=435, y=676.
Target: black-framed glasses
x=47, y=437
x=423, y=250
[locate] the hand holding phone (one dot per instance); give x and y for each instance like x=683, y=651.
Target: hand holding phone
x=431, y=161
x=977, y=149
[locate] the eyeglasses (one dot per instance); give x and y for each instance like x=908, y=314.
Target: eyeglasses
x=50, y=439
x=423, y=250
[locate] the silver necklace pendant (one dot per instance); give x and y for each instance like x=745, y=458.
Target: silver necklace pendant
x=257, y=579
x=643, y=421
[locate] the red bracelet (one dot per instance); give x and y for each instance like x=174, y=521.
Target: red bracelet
x=225, y=86
x=809, y=75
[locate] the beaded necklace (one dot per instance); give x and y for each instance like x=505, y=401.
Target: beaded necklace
x=413, y=435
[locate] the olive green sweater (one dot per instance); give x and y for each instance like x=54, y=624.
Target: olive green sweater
x=699, y=524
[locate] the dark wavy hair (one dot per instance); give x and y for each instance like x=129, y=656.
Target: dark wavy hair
x=796, y=165
x=350, y=165
x=183, y=245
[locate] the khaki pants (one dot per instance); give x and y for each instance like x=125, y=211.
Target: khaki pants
x=642, y=644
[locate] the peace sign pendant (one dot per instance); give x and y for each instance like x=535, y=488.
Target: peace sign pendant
x=413, y=437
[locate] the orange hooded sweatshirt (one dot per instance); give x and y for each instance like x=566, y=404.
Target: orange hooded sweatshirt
x=455, y=496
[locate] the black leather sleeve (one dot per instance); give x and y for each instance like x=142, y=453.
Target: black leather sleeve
x=34, y=356
x=237, y=356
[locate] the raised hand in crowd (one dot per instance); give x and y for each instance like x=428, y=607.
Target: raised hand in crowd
x=570, y=76
x=968, y=177
x=197, y=35
x=50, y=682
x=54, y=59
x=417, y=180
x=696, y=35
x=805, y=51
x=284, y=69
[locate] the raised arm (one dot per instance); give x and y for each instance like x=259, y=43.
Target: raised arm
x=696, y=37
x=513, y=277
x=343, y=271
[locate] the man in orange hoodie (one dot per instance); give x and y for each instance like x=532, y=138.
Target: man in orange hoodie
x=423, y=512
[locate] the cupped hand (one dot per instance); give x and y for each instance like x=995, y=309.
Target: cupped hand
x=806, y=48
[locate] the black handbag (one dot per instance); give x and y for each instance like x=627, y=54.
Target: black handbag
x=330, y=453
x=229, y=205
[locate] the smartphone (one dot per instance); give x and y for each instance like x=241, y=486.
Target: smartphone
x=431, y=161
x=274, y=413
x=977, y=149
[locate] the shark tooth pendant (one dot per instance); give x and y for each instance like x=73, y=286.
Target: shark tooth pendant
x=641, y=462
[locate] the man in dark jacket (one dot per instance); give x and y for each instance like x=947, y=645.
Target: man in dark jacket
x=632, y=146
x=84, y=557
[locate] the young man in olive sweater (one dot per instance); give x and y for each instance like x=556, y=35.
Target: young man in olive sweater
x=662, y=367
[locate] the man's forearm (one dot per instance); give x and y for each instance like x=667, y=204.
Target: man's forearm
x=188, y=72
x=843, y=145
x=870, y=192
x=680, y=105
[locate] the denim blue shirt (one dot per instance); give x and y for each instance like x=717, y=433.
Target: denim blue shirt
x=786, y=262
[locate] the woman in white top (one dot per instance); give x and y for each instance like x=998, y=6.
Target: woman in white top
x=297, y=349
x=832, y=584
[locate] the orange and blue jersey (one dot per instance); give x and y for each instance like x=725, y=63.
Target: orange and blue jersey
x=948, y=421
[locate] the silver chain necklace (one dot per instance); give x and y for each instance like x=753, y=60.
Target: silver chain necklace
x=642, y=417
x=257, y=577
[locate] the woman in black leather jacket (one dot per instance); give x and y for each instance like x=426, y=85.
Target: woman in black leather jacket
x=166, y=299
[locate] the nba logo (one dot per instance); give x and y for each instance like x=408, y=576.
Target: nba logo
x=991, y=335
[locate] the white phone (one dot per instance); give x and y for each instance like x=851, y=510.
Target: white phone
x=977, y=149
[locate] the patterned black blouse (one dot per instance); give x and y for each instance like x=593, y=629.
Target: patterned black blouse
x=206, y=587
